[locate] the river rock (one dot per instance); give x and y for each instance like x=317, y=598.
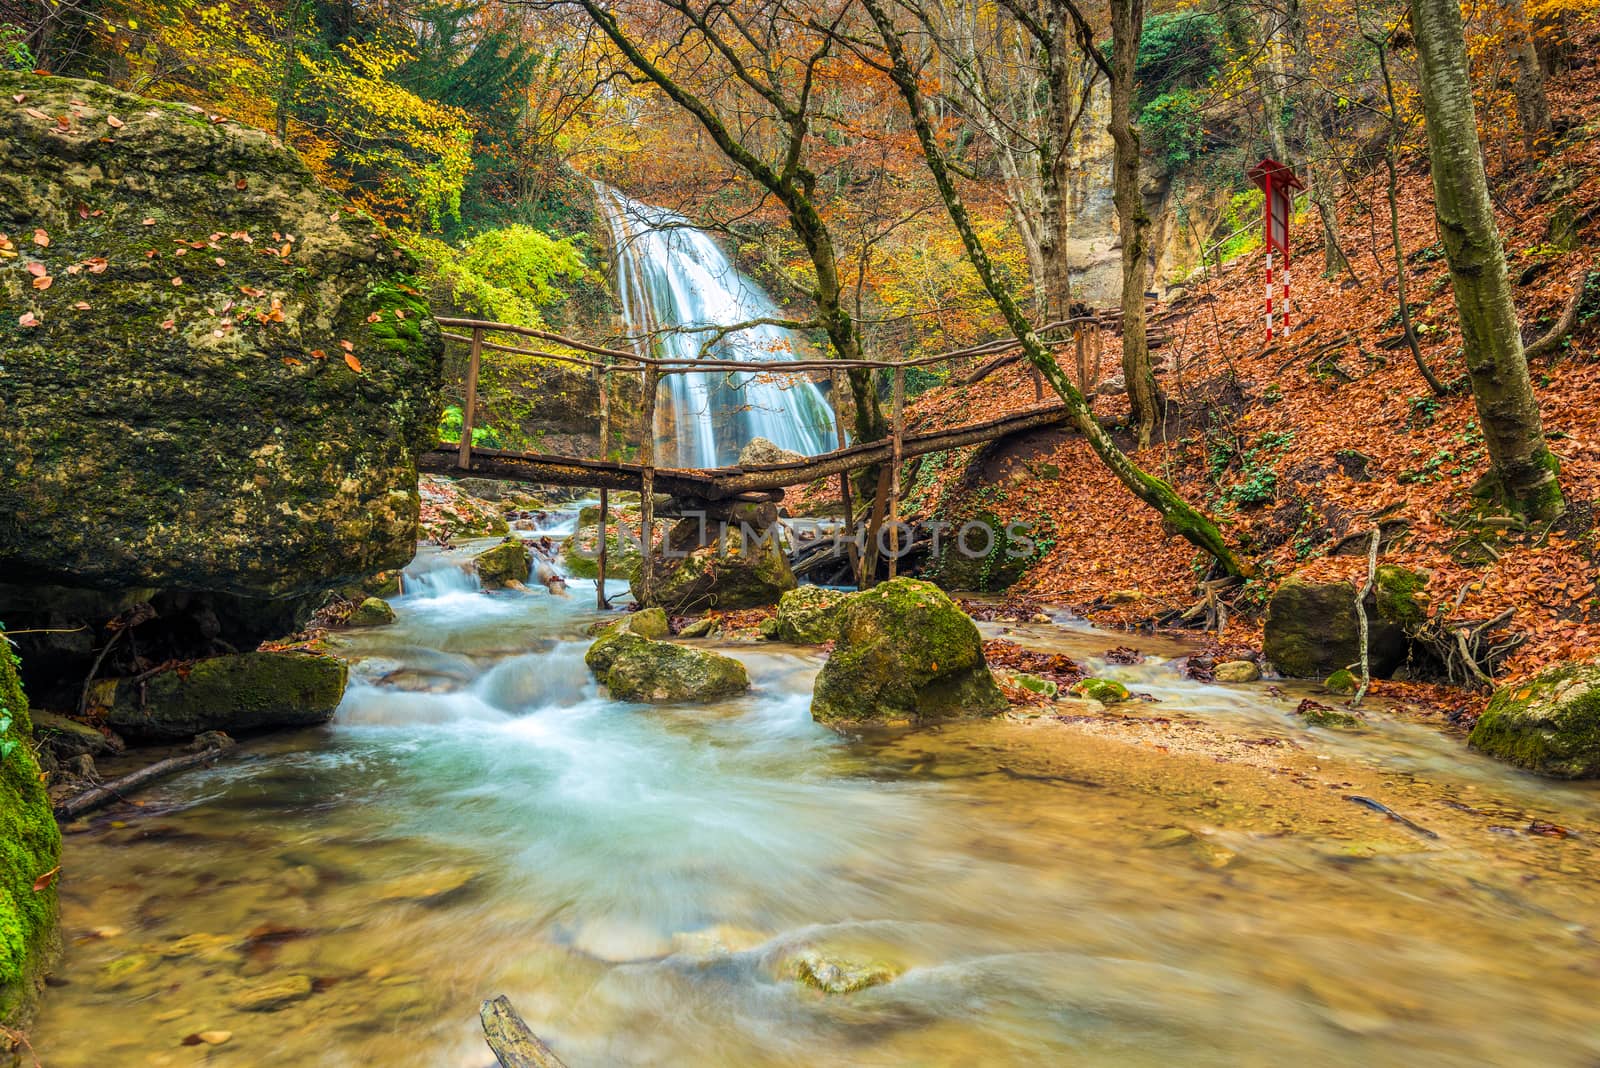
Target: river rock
x=904, y=652
x=580, y=552
x=837, y=975
x=762, y=451
x=1312, y=629
x=507, y=562
x=372, y=612
x=644, y=670
x=645, y=623
x=1236, y=671
x=219, y=437
x=242, y=692
x=808, y=615
x=738, y=572
x=274, y=995
x=1549, y=723
x=705, y=627
x=30, y=847
x=1106, y=691
x=67, y=737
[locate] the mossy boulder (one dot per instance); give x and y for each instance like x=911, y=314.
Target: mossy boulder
x=904, y=653
x=371, y=612
x=30, y=847
x=1236, y=671
x=1312, y=629
x=648, y=623
x=243, y=692
x=507, y=562
x=809, y=615
x=730, y=572
x=979, y=553
x=1549, y=723
x=179, y=409
x=580, y=552
x=1343, y=682
x=636, y=668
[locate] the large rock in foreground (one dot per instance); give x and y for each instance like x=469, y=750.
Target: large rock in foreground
x=1312, y=629
x=30, y=847
x=904, y=654
x=226, y=380
x=245, y=692
x=1549, y=723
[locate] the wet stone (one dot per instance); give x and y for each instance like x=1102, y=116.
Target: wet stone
x=274, y=995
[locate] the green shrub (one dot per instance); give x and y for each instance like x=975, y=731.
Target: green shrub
x=1172, y=127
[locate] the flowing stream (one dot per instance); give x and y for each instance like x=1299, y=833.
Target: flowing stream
x=1188, y=885
x=671, y=275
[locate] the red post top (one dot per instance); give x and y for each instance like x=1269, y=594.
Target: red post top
x=1278, y=182
x=1269, y=174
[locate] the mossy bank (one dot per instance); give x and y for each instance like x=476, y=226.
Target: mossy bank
x=30, y=848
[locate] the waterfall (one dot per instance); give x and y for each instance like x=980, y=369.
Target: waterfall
x=668, y=274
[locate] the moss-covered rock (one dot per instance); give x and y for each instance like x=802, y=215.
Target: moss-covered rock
x=243, y=692
x=580, y=553
x=646, y=623
x=1343, y=681
x=507, y=562
x=640, y=669
x=1312, y=629
x=904, y=653
x=979, y=553
x=182, y=413
x=1106, y=691
x=1549, y=723
x=371, y=612
x=30, y=846
x=809, y=615
x=737, y=573
x=1316, y=715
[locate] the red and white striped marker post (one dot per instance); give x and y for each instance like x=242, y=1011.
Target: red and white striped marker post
x=1278, y=184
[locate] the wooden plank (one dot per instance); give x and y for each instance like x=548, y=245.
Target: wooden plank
x=512, y=1040
x=464, y=445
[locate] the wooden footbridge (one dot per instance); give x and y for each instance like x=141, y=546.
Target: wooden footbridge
x=715, y=488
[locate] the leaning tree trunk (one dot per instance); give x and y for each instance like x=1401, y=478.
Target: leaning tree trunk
x=1127, y=23
x=1523, y=469
x=1178, y=516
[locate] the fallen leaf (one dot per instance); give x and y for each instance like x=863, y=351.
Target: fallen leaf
x=114, y=122
x=44, y=281
x=35, y=113
x=353, y=363
x=83, y=211
x=221, y=262
x=41, y=238
x=290, y=361
x=177, y=281
x=43, y=882
x=399, y=313
x=149, y=222
x=37, y=269
x=347, y=346
x=19, y=97
x=318, y=354
x=82, y=305
x=252, y=291
x=169, y=325
x=27, y=319
x=374, y=317
x=97, y=264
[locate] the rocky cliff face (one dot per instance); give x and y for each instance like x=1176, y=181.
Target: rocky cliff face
x=213, y=378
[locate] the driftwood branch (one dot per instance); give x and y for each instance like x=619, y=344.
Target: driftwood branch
x=118, y=789
x=512, y=1040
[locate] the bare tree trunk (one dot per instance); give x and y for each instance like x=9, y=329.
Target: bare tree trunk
x=1523, y=470
x=1127, y=24
x=1533, y=103
x=1308, y=122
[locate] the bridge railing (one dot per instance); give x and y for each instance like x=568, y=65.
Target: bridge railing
x=604, y=362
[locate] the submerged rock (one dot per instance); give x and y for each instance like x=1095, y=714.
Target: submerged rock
x=1236, y=671
x=242, y=692
x=274, y=995
x=904, y=653
x=837, y=975
x=1312, y=629
x=30, y=847
x=808, y=615
x=505, y=563
x=1106, y=691
x=1549, y=723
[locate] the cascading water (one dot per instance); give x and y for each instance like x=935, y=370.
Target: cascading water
x=668, y=275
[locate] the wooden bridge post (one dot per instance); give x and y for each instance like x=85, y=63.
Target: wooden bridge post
x=844, y=481
x=899, y=428
x=647, y=488
x=604, y=383
x=464, y=452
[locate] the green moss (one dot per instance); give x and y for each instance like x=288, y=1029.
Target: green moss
x=1106, y=691
x=1342, y=681
x=808, y=615
x=1319, y=716
x=1549, y=724
x=247, y=691
x=30, y=846
x=506, y=562
x=1397, y=590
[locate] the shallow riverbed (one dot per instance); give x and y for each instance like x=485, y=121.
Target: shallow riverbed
x=1187, y=884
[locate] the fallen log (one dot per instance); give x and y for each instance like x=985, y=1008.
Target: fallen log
x=118, y=789
x=512, y=1040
